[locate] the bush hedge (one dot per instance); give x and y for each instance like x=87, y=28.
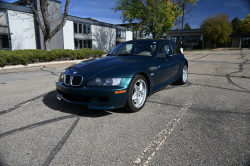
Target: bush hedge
x=8, y=57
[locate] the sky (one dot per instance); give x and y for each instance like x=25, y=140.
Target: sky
x=101, y=10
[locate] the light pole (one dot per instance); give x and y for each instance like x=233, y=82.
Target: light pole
x=182, y=28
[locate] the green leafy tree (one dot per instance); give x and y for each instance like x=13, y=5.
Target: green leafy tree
x=236, y=23
x=154, y=17
x=217, y=28
x=187, y=26
x=245, y=28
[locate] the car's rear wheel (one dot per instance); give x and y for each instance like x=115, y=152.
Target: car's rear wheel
x=137, y=94
x=183, y=76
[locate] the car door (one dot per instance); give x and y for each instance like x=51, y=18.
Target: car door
x=176, y=57
x=169, y=64
x=155, y=70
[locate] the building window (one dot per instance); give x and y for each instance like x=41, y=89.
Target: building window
x=75, y=27
x=79, y=44
x=4, y=42
x=245, y=42
x=120, y=34
x=82, y=28
x=76, y=45
x=90, y=43
x=186, y=39
x=89, y=29
x=176, y=39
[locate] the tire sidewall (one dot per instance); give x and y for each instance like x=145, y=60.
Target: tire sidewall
x=181, y=76
x=130, y=106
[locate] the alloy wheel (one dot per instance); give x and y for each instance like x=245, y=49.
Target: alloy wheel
x=139, y=93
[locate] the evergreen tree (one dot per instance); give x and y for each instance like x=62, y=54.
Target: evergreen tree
x=236, y=23
x=187, y=26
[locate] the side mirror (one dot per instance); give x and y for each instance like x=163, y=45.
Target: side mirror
x=169, y=55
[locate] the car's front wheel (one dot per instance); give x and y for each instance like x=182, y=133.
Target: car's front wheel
x=137, y=94
x=183, y=76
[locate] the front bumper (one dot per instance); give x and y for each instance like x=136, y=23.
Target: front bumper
x=101, y=98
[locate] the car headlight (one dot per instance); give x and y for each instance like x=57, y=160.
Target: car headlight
x=104, y=82
x=61, y=77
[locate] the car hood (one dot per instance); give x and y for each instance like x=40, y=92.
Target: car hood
x=90, y=68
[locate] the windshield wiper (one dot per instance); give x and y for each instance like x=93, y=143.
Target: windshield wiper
x=109, y=55
x=124, y=54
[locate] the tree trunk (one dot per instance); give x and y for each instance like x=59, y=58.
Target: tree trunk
x=154, y=35
x=47, y=44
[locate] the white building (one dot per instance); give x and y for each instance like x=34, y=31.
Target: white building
x=19, y=30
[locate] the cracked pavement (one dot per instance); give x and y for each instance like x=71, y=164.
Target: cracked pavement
x=204, y=122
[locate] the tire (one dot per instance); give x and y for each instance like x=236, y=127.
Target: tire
x=137, y=95
x=183, y=76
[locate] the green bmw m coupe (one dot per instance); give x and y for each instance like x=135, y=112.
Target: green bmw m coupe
x=125, y=77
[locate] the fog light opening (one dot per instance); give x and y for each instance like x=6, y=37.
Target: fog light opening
x=94, y=99
x=58, y=98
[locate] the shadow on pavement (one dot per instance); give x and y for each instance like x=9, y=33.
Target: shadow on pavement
x=2, y=162
x=247, y=163
x=51, y=101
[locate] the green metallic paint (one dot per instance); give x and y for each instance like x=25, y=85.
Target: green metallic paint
x=125, y=67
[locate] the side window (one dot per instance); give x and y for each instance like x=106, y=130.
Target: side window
x=175, y=49
x=165, y=49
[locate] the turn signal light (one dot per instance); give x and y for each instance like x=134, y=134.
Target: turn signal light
x=121, y=91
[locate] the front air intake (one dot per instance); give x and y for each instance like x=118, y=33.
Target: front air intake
x=73, y=80
x=76, y=80
x=67, y=79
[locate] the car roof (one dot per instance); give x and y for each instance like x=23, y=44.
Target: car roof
x=159, y=40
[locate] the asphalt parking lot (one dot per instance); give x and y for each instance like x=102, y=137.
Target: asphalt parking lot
x=205, y=122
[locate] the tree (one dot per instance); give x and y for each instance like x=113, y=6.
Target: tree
x=44, y=19
x=189, y=7
x=236, y=24
x=245, y=28
x=217, y=28
x=187, y=26
x=154, y=17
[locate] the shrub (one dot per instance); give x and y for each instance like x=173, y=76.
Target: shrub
x=15, y=57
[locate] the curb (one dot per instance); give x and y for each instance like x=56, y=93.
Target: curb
x=41, y=64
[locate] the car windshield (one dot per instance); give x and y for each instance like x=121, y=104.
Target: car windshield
x=137, y=48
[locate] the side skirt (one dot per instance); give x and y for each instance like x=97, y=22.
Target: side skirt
x=161, y=86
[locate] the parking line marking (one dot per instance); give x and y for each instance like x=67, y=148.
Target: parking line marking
x=154, y=146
